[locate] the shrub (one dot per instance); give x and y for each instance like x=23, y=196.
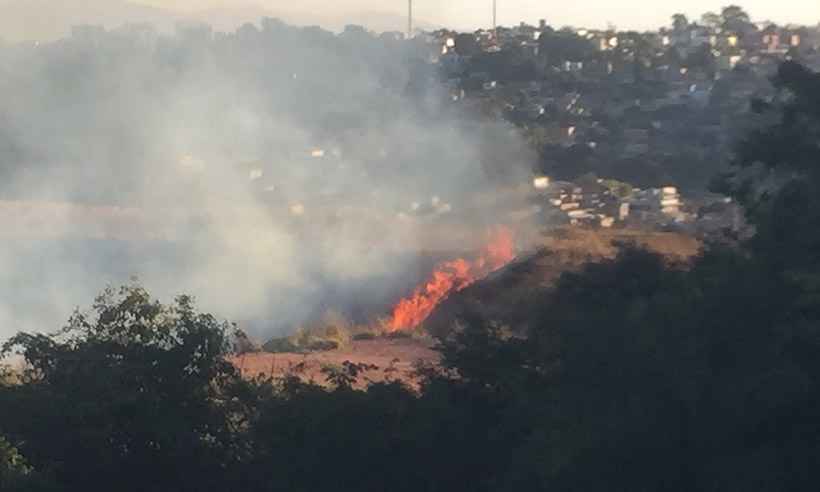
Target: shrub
x=398, y=335
x=280, y=345
x=322, y=346
x=364, y=336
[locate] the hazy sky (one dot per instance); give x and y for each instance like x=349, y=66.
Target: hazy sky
x=469, y=13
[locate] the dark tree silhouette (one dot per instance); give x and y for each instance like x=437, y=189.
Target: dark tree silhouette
x=136, y=396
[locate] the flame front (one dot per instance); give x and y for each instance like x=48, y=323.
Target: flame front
x=453, y=276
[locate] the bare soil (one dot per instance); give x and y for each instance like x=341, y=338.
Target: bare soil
x=395, y=359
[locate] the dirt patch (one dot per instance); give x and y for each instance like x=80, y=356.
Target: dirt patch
x=396, y=359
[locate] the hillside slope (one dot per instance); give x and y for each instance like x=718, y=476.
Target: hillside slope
x=509, y=295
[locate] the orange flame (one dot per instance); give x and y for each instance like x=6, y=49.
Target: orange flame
x=452, y=276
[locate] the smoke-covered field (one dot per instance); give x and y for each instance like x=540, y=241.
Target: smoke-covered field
x=272, y=173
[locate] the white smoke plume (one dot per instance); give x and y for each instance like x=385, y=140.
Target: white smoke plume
x=272, y=172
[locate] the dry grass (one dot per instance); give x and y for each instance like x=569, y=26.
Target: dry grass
x=600, y=244
x=394, y=359
x=509, y=295
x=334, y=332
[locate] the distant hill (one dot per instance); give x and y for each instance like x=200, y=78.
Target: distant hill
x=44, y=20
x=229, y=18
x=374, y=21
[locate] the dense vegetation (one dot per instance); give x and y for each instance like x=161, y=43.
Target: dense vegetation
x=638, y=375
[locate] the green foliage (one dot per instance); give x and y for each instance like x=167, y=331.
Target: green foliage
x=329, y=333
x=364, y=336
x=7, y=375
x=638, y=375
x=564, y=46
x=735, y=19
x=347, y=374
x=134, y=391
x=333, y=332
x=782, y=201
x=466, y=44
x=711, y=20
x=17, y=475
x=618, y=188
x=321, y=346
x=280, y=345
x=13, y=467
x=680, y=22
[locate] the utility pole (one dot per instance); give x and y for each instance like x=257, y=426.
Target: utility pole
x=409, y=19
x=495, y=18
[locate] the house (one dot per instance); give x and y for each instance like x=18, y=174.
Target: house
x=541, y=182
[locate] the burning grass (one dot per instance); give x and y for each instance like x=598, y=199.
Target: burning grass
x=452, y=276
x=334, y=332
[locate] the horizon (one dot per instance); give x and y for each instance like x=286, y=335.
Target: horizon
x=33, y=23
x=476, y=14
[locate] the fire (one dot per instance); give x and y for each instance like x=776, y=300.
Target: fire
x=453, y=276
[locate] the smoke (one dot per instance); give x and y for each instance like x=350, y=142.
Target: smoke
x=272, y=173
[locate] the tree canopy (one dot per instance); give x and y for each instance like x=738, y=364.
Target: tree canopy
x=132, y=396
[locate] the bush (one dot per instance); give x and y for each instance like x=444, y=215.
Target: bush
x=399, y=335
x=360, y=337
x=128, y=387
x=280, y=345
x=331, y=333
x=322, y=346
x=337, y=334
x=12, y=465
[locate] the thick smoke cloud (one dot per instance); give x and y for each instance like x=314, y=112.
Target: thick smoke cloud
x=273, y=172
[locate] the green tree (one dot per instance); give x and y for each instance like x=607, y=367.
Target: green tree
x=701, y=58
x=135, y=395
x=778, y=172
x=711, y=20
x=638, y=374
x=562, y=46
x=735, y=19
x=680, y=22
x=467, y=44
x=13, y=467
